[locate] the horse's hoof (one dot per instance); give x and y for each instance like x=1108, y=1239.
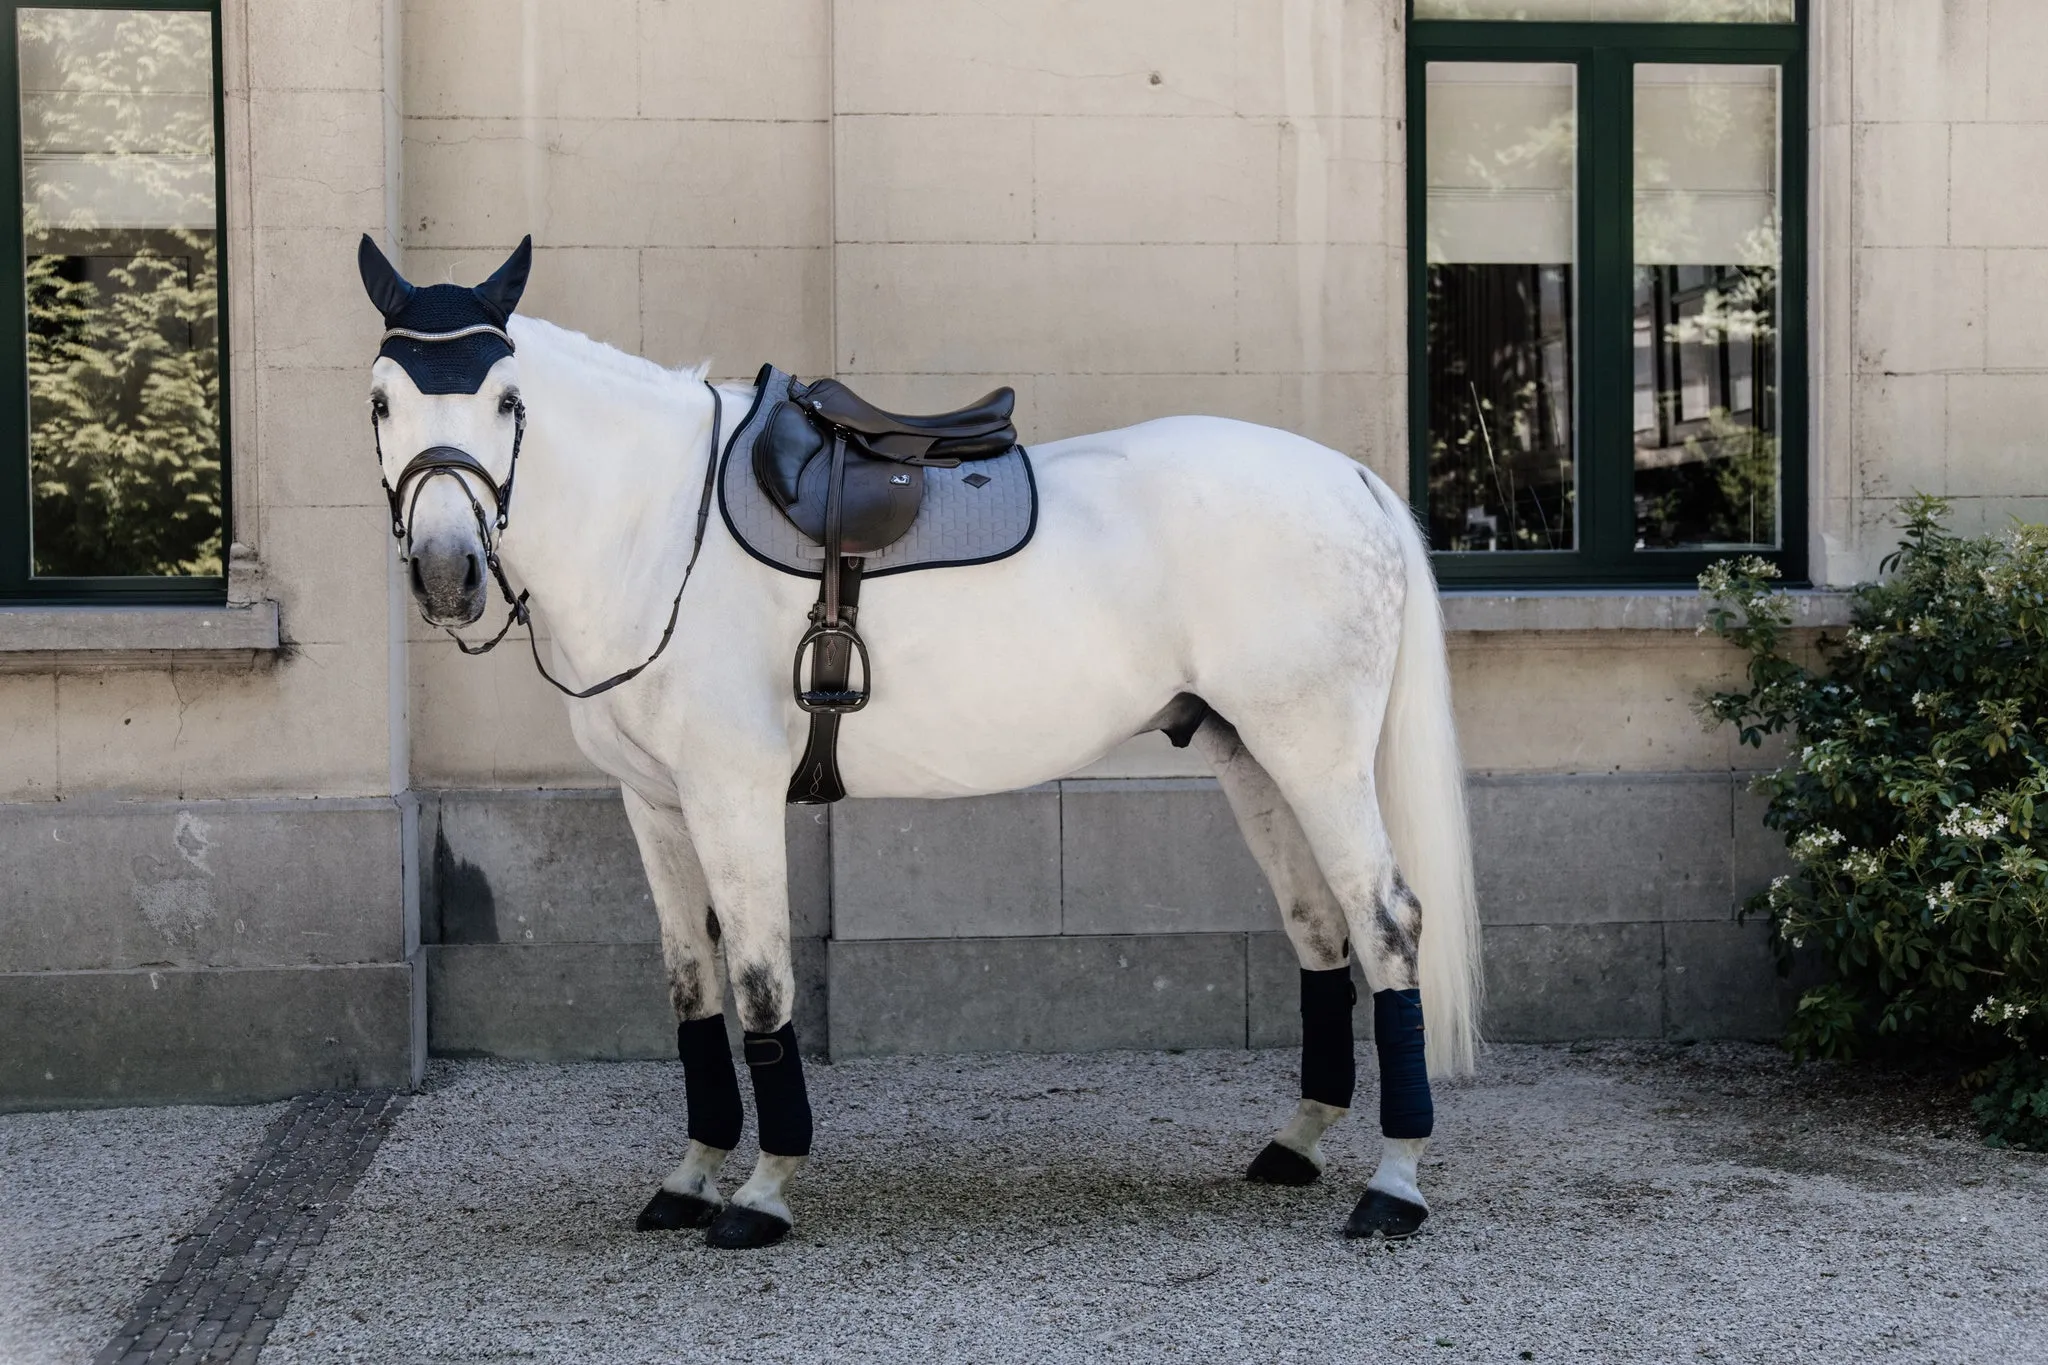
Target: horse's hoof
x=1279, y=1165
x=668, y=1211
x=738, y=1227
x=1381, y=1213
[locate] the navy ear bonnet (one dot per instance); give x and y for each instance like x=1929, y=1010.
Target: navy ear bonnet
x=436, y=361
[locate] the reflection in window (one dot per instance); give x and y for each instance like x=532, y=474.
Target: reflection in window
x=1706, y=307
x=119, y=219
x=1500, y=304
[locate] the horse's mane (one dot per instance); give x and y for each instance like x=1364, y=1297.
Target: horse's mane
x=578, y=349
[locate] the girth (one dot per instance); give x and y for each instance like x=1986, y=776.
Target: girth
x=851, y=477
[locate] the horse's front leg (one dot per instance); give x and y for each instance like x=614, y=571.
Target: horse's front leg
x=739, y=840
x=689, y=1197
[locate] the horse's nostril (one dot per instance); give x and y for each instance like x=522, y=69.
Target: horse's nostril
x=419, y=584
x=472, y=575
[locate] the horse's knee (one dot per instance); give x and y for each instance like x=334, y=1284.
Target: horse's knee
x=765, y=995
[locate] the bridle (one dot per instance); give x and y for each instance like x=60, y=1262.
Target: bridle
x=449, y=462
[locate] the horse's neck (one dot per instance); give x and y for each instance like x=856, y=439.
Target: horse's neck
x=605, y=507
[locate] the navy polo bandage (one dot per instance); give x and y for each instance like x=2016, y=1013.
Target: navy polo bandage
x=711, y=1088
x=1329, y=1072
x=1405, y=1107
x=780, y=1102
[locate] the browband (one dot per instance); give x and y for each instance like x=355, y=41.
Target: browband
x=474, y=329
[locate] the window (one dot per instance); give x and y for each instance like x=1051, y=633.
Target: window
x=1606, y=286
x=112, y=435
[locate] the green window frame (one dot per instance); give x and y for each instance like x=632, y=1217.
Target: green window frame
x=18, y=582
x=1604, y=55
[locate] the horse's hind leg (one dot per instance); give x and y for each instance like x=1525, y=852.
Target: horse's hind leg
x=1315, y=926
x=689, y=1197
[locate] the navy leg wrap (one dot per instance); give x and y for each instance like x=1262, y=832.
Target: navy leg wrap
x=1329, y=1073
x=780, y=1100
x=711, y=1087
x=1405, y=1108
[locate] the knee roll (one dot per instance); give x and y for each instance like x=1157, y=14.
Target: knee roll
x=711, y=1088
x=1405, y=1107
x=780, y=1101
x=1329, y=1072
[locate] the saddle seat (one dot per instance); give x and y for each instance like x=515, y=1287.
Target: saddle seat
x=884, y=458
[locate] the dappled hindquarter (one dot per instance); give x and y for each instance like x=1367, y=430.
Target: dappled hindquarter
x=1640, y=1202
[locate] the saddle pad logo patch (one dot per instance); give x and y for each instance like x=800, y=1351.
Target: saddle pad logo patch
x=976, y=480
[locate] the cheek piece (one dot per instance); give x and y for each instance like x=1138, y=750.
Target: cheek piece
x=711, y=1088
x=781, y=1104
x=1405, y=1107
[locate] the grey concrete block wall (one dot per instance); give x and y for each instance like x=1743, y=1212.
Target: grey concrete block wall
x=1157, y=856
x=984, y=865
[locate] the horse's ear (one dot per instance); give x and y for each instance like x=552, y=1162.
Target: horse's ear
x=502, y=290
x=387, y=288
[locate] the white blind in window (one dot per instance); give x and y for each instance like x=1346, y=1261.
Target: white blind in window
x=1502, y=151
x=1632, y=11
x=1706, y=164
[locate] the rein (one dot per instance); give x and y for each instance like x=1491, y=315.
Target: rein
x=439, y=461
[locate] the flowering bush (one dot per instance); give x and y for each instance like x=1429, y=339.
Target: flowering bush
x=1920, y=755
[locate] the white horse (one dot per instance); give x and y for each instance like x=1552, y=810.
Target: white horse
x=1278, y=581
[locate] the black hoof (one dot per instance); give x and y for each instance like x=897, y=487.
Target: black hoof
x=1279, y=1165
x=668, y=1211
x=737, y=1228
x=1381, y=1213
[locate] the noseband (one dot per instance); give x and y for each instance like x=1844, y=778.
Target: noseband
x=450, y=462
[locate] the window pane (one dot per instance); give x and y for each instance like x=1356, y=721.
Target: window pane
x=118, y=217
x=1632, y=11
x=1706, y=307
x=1501, y=235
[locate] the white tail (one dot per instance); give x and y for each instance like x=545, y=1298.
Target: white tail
x=1421, y=784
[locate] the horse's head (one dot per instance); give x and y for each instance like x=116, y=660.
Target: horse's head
x=445, y=406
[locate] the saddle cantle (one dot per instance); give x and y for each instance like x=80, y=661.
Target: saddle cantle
x=852, y=494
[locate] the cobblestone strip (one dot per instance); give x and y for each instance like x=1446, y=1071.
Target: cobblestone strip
x=230, y=1279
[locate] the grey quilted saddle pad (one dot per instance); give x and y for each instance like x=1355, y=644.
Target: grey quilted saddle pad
x=982, y=511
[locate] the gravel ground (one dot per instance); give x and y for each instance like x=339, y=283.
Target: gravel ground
x=1614, y=1203
x=91, y=1206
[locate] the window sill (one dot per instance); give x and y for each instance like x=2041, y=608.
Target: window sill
x=43, y=639
x=1542, y=609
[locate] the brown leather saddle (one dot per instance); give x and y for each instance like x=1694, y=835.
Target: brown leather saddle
x=851, y=477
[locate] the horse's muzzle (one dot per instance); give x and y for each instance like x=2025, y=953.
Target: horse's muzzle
x=450, y=583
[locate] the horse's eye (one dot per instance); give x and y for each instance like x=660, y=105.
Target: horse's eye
x=508, y=405
x=379, y=409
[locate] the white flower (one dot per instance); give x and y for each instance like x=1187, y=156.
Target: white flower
x=1968, y=822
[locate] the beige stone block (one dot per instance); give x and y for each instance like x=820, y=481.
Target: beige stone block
x=1312, y=308
x=1080, y=404
x=592, y=290
x=329, y=569
x=961, y=178
x=318, y=159
x=1321, y=58
x=1830, y=231
x=616, y=182
x=490, y=59
x=1919, y=309
x=1901, y=434
x=1587, y=703
x=1035, y=309
x=490, y=721
x=1353, y=413
x=1997, y=442
x=2019, y=56
x=311, y=725
x=28, y=737
x=1124, y=179
x=1034, y=57
x=2016, y=328
x=1901, y=184
x=1998, y=192
x=1920, y=61
x=309, y=308
x=313, y=432
x=1994, y=516
x=311, y=44
x=1336, y=184
x=752, y=59
x=738, y=308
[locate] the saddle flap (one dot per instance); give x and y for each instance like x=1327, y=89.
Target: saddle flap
x=786, y=444
x=878, y=501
